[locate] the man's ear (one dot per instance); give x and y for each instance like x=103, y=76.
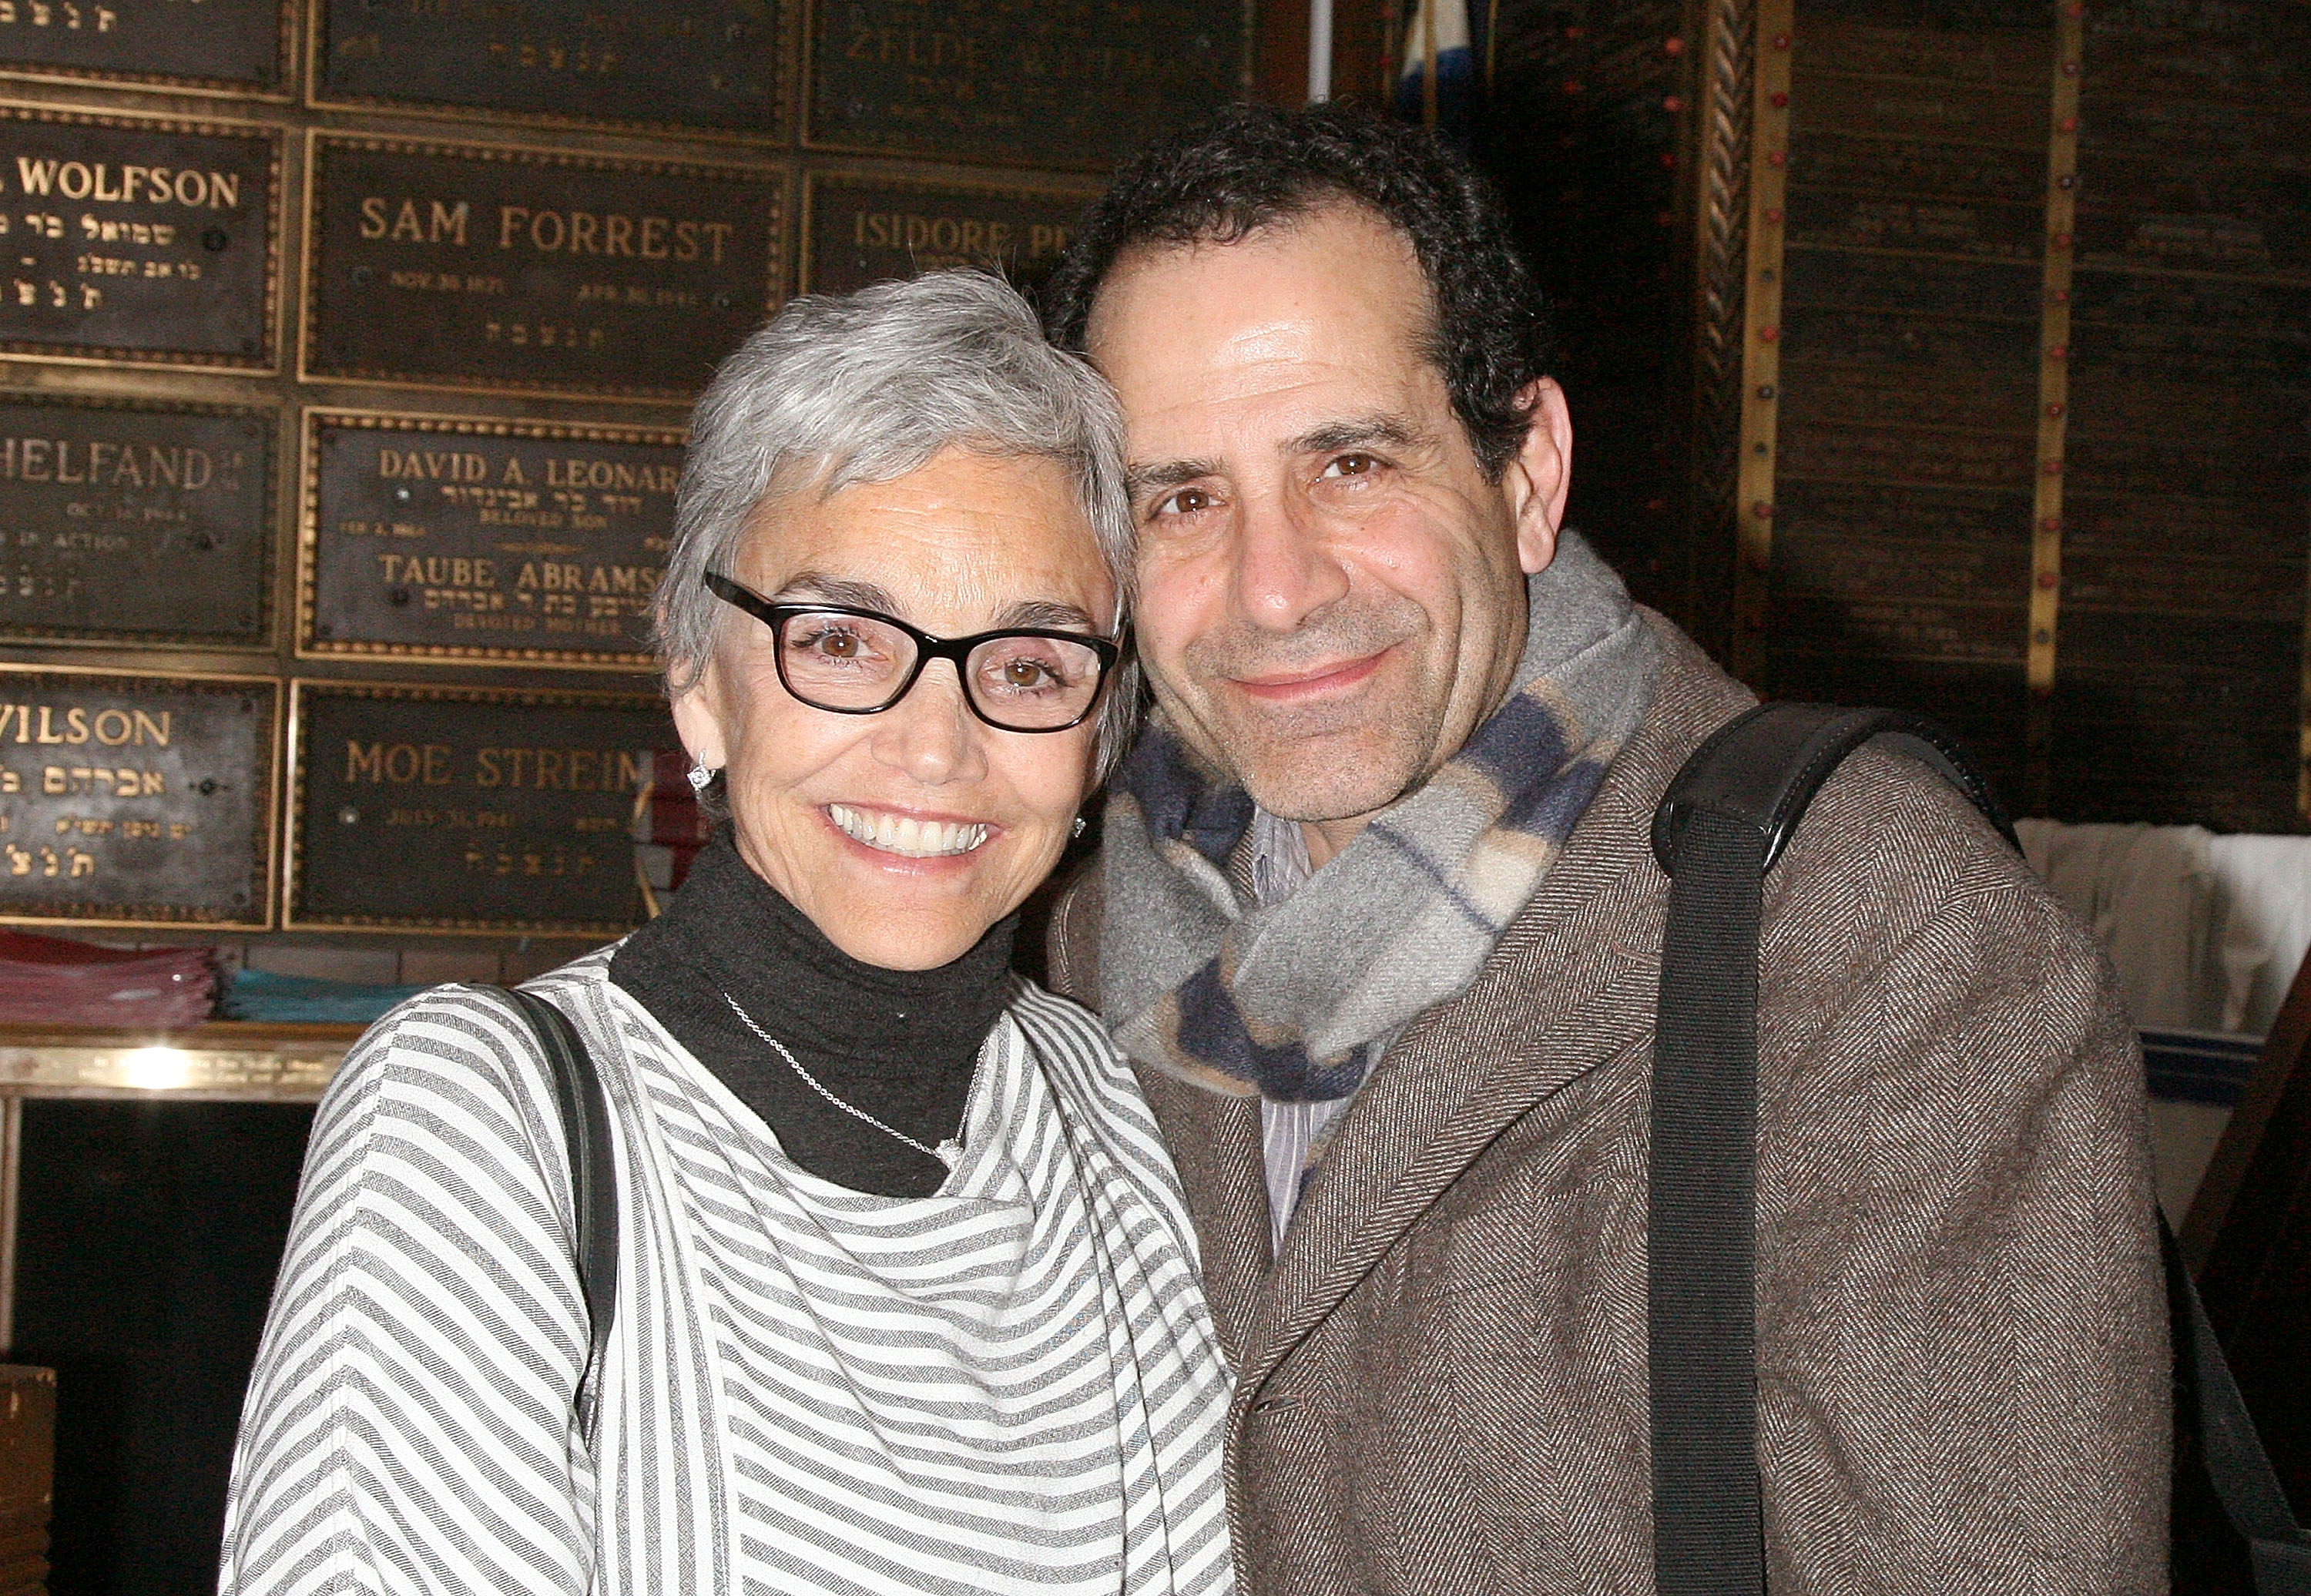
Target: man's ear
x=1541, y=475
x=700, y=715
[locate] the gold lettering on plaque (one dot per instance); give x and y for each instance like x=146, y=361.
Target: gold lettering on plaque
x=559, y=770
x=540, y=769
x=58, y=781
x=104, y=464
x=113, y=728
x=435, y=465
x=58, y=13
x=959, y=237
x=127, y=184
x=438, y=222
x=440, y=571
x=406, y=225
x=583, y=232
x=607, y=475
x=918, y=51
x=400, y=763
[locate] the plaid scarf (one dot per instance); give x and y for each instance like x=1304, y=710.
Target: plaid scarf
x=1294, y=1001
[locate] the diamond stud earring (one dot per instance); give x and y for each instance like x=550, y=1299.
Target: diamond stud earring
x=699, y=777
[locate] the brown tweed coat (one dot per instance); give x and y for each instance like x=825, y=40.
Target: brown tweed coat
x=1962, y=1336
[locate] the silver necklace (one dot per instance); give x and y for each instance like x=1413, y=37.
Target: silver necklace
x=948, y=1151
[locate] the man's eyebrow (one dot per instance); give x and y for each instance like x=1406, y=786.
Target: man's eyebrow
x=1367, y=431
x=1169, y=474
x=1360, y=432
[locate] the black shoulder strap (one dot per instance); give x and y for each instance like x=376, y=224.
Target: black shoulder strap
x=1722, y=823
x=593, y=1184
x=1763, y=767
x=2240, y=1471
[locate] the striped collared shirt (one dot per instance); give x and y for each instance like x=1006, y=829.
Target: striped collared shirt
x=1288, y=1130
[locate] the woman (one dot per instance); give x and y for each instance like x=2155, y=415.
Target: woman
x=907, y=1295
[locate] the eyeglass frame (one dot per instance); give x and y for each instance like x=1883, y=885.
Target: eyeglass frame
x=1108, y=652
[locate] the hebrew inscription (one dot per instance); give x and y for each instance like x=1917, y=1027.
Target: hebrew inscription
x=1040, y=83
x=133, y=521
x=133, y=799
x=526, y=270
x=710, y=64
x=515, y=542
x=500, y=811
x=136, y=241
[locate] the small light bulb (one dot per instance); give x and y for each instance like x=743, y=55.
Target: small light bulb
x=159, y=1069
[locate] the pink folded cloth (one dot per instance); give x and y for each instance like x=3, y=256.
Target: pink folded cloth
x=48, y=980
x=669, y=827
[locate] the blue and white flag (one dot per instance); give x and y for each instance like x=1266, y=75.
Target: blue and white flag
x=1455, y=39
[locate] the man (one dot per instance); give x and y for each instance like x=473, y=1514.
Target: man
x=1377, y=918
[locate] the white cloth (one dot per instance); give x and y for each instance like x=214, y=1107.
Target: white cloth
x=2262, y=925
x=2206, y=932
x=2147, y=891
x=1011, y=1386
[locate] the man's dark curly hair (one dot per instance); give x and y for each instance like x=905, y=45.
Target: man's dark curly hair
x=1252, y=167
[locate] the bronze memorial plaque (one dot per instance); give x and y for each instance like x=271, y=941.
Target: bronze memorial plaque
x=225, y=44
x=456, y=538
x=702, y=63
x=2185, y=696
x=1909, y=335
x=1035, y=82
x=469, y=809
x=490, y=267
x=133, y=521
x=134, y=240
x=136, y=798
x=861, y=228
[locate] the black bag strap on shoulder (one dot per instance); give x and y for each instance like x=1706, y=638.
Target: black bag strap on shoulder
x=593, y=1184
x=1723, y=822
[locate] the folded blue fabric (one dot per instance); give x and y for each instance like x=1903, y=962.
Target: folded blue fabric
x=2200, y=1066
x=301, y=999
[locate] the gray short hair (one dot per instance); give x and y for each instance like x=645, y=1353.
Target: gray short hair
x=865, y=387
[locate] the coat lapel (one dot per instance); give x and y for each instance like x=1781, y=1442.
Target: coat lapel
x=1459, y=1078
x=1214, y=1143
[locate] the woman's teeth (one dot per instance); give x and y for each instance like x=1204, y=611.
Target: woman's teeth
x=905, y=836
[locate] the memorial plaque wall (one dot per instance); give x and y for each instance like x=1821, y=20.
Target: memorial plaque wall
x=2026, y=387
x=136, y=239
x=1602, y=103
x=470, y=538
x=1909, y=364
x=485, y=266
x=860, y=228
x=1027, y=83
x=128, y=520
x=696, y=63
x=467, y=809
x=2188, y=498
x=136, y=799
x=224, y=43
x=509, y=244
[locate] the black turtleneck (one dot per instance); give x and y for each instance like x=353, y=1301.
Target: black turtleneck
x=901, y=1044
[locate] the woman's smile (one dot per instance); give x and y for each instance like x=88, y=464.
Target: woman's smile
x=906, y=835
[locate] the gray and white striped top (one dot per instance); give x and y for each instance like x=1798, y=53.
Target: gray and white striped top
x=1011, y=1386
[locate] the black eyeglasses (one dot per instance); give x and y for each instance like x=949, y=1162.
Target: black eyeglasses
x=859, y=662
